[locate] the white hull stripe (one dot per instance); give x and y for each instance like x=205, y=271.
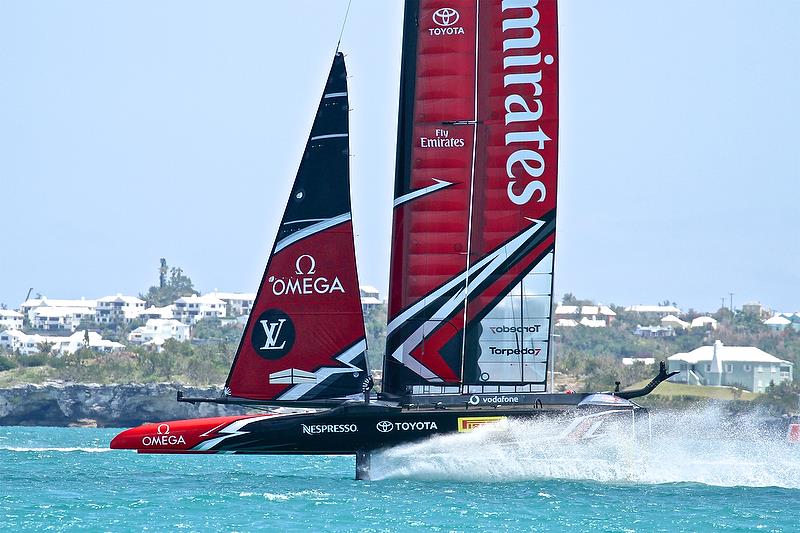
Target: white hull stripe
x=440, y=184
x=331, y=136
x=325, y=372
x=334, y=95
x=311, y=230
x=497, y=257
x=232, y=430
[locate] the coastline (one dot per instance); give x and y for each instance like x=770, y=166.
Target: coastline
x=64, y=404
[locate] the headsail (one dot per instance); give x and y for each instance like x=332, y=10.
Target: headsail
x=475, y=195
x=305, y=337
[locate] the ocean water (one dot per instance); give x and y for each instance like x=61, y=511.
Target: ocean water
x=694, y=474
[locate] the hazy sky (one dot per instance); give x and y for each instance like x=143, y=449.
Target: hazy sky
x=131, y=131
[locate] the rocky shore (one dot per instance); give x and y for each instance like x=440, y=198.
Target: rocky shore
x=82, y=404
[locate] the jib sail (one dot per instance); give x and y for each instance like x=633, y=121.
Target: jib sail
x=305, y=339
x=475, y=197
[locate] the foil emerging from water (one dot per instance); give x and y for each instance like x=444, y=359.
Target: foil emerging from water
x=703, y=446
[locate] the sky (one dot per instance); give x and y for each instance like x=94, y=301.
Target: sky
x=131, y=131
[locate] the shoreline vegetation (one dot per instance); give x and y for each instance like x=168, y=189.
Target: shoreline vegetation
x=586, y=358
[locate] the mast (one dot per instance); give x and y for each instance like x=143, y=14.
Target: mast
x=305, y=338
x=474, y=216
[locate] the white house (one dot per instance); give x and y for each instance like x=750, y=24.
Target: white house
x=777, y=323
x=165, y=312
x=76, y=341
x=44, y=301
x=704, y=322
x=674, y=322
x=628, y=361
x=370, y=296
x=587, y=315
x=12, y=340
x=119, y=308
x=240, y=302
x=156, y=328
x=59, y=318
x=654, y=331
x=190, y=309
x=10, y=319
x=720, y=365
x=659, y=310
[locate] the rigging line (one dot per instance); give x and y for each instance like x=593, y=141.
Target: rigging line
x=344, y=23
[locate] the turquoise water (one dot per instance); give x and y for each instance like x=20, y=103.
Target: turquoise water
x=67, y=479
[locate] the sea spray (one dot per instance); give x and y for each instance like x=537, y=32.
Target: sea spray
x=704, y=446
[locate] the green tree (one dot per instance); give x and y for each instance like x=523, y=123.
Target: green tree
x=170, y=288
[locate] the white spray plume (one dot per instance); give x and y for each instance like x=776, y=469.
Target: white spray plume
x=701, y=446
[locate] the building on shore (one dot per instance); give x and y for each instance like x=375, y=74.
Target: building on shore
x=15, y=341
x=654, y=310
x=191, y=309
x=746, y=367
x=10, y=319
x=156, y=331
x=239, y=303
x=118, y=309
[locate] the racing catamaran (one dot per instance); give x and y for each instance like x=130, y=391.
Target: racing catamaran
x=473, y=243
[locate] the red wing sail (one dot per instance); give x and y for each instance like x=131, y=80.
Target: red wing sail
x=474, y=218
x=305, y=337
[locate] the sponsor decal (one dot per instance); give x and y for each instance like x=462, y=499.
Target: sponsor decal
x=273, y=334
x=534, y=328
x=475, y=399
x=514, y=351
x=794, y=433
x=384, y=426
x=524, y=105
x=320, y=429
x=163, y=437
x=445, y=19
x=305, y=280
x=441, y=139
x=471, y=422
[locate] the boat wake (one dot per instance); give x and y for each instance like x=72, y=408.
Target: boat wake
x=685, y=447
x=52, y=449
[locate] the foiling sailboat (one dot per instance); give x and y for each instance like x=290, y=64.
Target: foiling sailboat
x=469, y=328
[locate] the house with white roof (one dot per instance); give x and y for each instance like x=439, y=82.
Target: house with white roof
x=156, y=328
x=777, y=323
x=654, y=331
x=44, y=301
x=165, y=312
x=118, y=309
x=703, y=322
x=48, y=318
x=657, y=310
x=588, y=315
x=370, y=296
x=24, y=344
x=10, y=319
x=719, y=365
x=240, y=303
x=674, y=322
x=78, y=340
x=190, y=309
x=12, y=340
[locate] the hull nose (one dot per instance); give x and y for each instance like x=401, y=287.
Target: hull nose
x=179, y=436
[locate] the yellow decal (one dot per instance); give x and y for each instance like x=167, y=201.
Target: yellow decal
x=470, y=423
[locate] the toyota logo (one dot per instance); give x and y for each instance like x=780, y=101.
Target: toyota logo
x=384, y=426
x=446, y=16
